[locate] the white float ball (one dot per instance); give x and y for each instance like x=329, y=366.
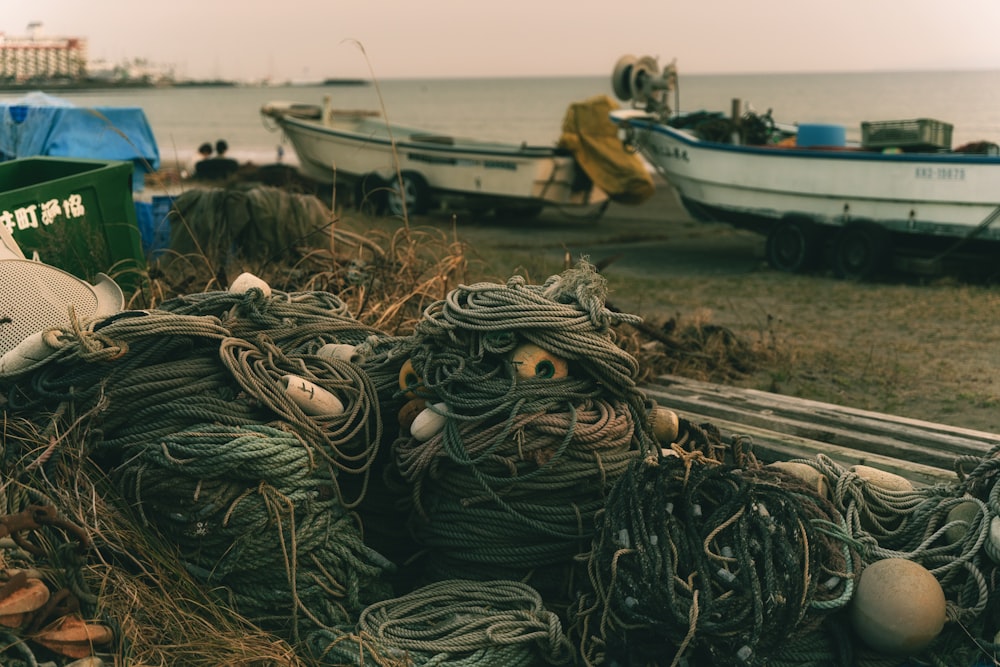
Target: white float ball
x=247, y=281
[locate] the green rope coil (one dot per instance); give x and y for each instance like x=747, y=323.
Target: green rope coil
x=468, y=624
x=516, y=495
x=565, y=316
x=297, y=322
x=251, y=514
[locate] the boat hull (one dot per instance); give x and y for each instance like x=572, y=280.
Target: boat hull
x=354, y=148
x=944, y=194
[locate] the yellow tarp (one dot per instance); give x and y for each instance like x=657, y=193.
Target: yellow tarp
x=590, y=134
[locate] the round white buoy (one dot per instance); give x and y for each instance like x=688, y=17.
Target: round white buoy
x=898, y=607
x=428, y=422
x=311, y=398
x=665, y=424
x=339, y=351
x=964, y=511
x=531, y=361
x=808, y=474
x=247, y=281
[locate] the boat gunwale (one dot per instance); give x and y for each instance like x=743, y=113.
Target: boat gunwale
x=949, y=158
x=499, y=149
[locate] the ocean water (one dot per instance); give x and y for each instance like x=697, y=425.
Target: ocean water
x=531, y=109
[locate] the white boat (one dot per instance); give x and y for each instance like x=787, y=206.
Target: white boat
x=901, y=197
x=378, y=161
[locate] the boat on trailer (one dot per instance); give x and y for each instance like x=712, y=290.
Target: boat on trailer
x=901, y=198
x=404, y=170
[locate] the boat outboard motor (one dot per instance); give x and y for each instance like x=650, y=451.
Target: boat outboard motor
x=36, y=298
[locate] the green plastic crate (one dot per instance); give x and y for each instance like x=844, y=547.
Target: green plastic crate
x=917, y=134
x=76, y=215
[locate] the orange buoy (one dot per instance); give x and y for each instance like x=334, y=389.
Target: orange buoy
x=531, y=361
x=410, y=381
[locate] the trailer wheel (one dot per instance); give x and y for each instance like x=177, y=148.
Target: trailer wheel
x=415, y=194
x=861, y=252
x=793, y=246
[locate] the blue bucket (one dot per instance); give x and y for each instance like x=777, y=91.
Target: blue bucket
x=816, y=134
x=154, y=224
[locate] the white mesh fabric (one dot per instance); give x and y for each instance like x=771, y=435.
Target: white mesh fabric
x=36, y=296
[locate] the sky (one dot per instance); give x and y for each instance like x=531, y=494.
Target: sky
x=311, y=40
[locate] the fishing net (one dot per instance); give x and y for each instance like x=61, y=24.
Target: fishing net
x=717, y=564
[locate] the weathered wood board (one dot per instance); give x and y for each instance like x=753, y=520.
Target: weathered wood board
x=785, y=427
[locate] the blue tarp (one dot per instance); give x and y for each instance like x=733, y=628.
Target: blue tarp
x=40, y=124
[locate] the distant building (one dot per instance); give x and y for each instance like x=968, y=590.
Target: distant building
x=39, y=57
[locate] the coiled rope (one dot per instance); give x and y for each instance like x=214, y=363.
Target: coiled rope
x=250, y=513
x=566, y=316
x=514, y=479
x=463, y=623
x=913, y=525
x=503, y=499
x=193, y=424
x=919, y=525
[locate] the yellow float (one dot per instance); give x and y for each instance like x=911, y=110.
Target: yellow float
x=531, y=361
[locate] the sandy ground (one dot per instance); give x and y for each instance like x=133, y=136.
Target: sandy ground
x=920, y=348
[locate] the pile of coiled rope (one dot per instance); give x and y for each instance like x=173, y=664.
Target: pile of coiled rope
x=712, y=563
x=534, y=487
x=188, y=414
x=512, y=481
x=458, y=623
x=946, y=528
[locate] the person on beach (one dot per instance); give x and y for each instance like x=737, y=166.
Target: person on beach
x=216, y=168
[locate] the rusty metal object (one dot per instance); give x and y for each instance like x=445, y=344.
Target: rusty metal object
x=73, y=637
x=33, y=518
x=19, y=597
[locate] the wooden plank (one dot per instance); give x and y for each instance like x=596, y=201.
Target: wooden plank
x=874, y=443
x=784, y=427
x=770, y=446
x=916, y=428
x=822, y=421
